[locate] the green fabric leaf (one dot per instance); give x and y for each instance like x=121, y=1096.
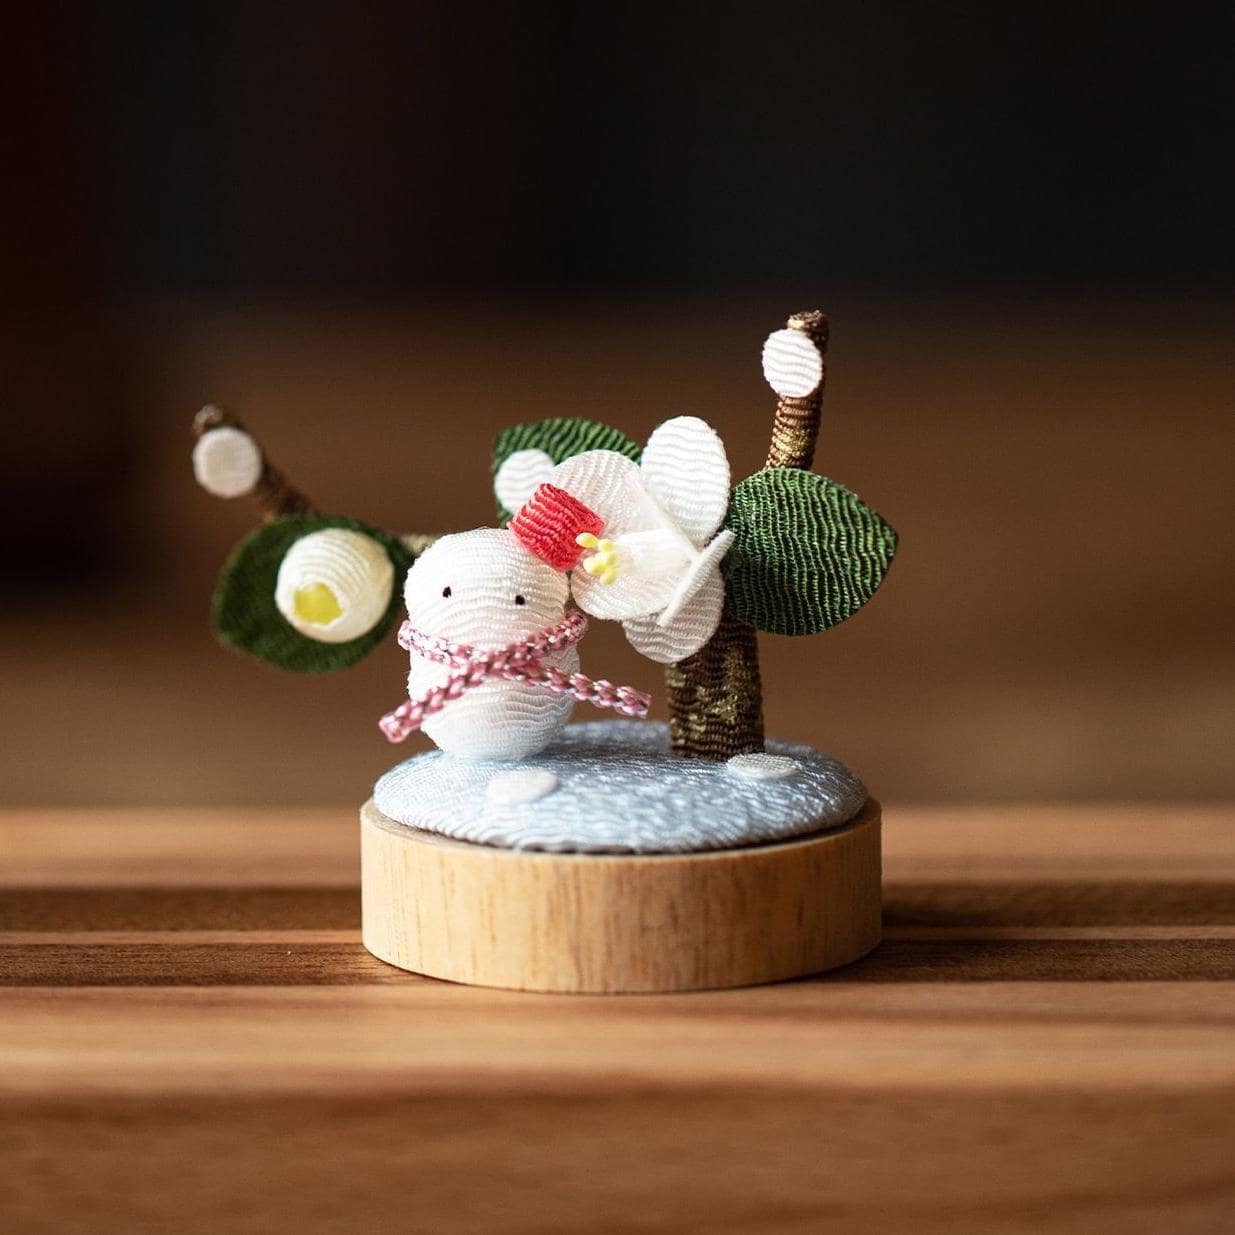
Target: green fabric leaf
x=245, y=615
x=559, y=439
x=807, y=553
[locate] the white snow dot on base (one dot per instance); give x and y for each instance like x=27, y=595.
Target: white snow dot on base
x=619, y=790
x=792, y=364
x=521, y=785
x=227, y=462
x=762, y=766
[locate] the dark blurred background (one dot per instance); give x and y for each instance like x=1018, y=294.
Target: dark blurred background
x=381, y=231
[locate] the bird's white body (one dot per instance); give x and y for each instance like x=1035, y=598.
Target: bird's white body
x=484, y=589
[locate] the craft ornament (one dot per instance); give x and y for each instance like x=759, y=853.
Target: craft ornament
x=519, y=476
x=776, y=866
x=797, y=553
x=494, y=667
x=299, y=568
x=654, y=561
x=653, y=538
x=518, y=464
x=334, y=585
x=792, y=364
x=807, y=553
x=227, y=462
x=483, y=589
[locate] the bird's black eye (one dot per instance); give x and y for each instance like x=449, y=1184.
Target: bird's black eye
x=520, y=601
x=446, y=590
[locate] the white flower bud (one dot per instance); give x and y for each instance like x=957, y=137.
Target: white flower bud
x=334, y=585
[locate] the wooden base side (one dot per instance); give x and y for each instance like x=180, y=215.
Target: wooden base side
x=610, y=924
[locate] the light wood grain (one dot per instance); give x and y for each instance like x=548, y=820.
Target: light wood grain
x=619, y=924
x=192, y=1038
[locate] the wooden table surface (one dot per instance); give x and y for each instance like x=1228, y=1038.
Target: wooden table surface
x=192, y=1039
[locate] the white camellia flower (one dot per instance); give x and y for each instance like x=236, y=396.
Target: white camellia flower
x=657, y=567
x=334, y=585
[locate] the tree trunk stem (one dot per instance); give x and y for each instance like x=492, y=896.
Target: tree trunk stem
x=795, y=428
x=716, y=696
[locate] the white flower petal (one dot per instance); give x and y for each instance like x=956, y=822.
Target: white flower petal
x=520, y=473
x=334, y=585
x=694, y=625
x=654, y=554
x=692, y=579
x=650, y=564
x=686, y=471
x=792, y=364
x=612, y=486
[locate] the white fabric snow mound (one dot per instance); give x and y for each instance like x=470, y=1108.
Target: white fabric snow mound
x=762, y=767
x=618, y=790
x=521, y=785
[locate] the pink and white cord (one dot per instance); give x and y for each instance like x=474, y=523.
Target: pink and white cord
x=516, y=662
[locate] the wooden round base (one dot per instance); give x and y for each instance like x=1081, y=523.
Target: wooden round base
x=617, y=923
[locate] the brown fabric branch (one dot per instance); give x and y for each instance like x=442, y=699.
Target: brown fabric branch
x=795, y=428
x=716, y=698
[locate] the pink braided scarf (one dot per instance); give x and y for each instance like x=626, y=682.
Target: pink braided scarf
x=516, y=662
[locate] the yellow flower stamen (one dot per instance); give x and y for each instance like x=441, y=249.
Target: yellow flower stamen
x=604, y=562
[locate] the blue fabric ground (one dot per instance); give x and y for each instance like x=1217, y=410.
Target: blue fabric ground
x=620, y=791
